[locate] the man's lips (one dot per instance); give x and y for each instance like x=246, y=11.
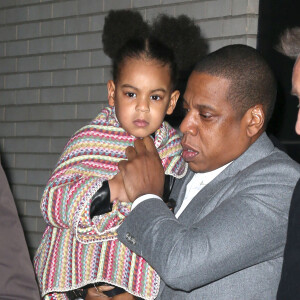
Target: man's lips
x=140, y=123
x=188, y=153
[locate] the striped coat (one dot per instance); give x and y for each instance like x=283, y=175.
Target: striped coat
x=76, y=250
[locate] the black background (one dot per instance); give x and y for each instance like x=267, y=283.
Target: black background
x=274, y=17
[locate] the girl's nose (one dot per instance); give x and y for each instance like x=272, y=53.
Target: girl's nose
x=142, y=105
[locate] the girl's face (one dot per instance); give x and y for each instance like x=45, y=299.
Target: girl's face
x=142, y=95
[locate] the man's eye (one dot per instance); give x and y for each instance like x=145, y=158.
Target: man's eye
x=205, y=116
x=130, y=95
x=185, y=110
x=155, y=97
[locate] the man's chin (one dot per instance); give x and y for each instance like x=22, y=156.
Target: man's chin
x=196, y=167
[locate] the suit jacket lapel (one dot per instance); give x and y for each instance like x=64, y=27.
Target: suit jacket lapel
x=180, y=188
x=203, y=197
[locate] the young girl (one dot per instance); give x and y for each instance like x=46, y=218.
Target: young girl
x=80, y=246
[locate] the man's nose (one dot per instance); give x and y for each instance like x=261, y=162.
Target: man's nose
x=189, y=125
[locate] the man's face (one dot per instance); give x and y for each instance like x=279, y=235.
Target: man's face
x=296, y=90
x=213, y=135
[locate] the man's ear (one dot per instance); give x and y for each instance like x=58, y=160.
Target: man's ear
x=255, y=119
x=173, y=101
x=111, y=92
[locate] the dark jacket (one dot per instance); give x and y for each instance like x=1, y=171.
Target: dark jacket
x=17, y=279
x=289, y=286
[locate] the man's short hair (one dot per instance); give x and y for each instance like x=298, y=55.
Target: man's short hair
x=289, y=43
x=252, y=80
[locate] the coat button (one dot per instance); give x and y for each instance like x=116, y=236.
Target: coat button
x=130, y=238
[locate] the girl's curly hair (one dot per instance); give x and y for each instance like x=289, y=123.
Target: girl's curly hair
x=170, y=40
x=121, y=26
x=173, y=41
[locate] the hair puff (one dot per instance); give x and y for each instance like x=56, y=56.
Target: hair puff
x=121, y=26
x=183, y=36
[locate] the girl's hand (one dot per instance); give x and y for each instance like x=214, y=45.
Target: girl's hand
x=124, y=296
x=96, y=293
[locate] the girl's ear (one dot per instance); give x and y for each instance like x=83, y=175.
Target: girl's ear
x=255, y=120
x=173, y=101
x=111, y=92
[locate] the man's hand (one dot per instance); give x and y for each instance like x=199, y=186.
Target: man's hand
x=143, y=172
x=117, y=189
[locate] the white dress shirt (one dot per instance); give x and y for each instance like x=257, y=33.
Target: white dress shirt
x=197, y=183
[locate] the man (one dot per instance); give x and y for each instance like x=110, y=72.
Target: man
x=289, y=287
x=227, y=236
x=17, y=279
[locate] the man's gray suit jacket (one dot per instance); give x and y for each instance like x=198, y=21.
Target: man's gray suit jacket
x=228, y=243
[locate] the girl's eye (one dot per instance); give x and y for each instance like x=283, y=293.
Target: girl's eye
x=155, y=97
x=130, y=95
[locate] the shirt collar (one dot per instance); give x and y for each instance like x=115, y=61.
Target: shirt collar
x=207, y=177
